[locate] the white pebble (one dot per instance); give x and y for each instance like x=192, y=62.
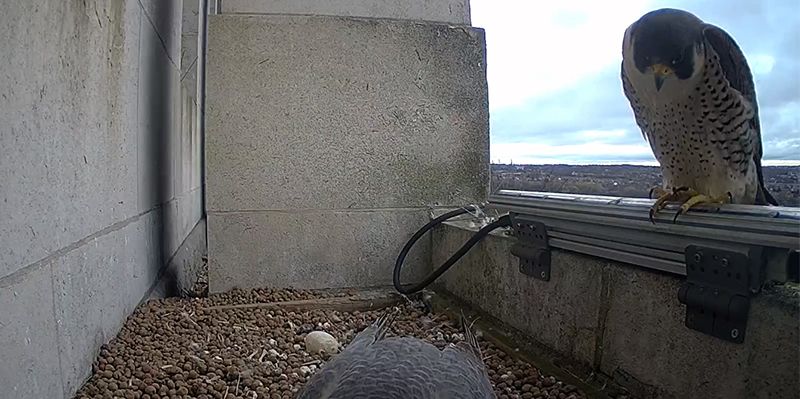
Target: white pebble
x=272, y=342
x=296, y=347
x=305, y=370
x=321, y=342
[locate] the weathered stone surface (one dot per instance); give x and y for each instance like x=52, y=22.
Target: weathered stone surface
x=29, y=337
x=99, y=178
x=313, y=249
x=95, y=287
x=68, y=145
x=329, y=138
x=449, y=11
x=646, y=341
x=561, y=314
x=628, y=322
x=337, y=113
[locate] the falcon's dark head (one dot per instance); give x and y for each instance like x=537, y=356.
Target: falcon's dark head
x=666, y=44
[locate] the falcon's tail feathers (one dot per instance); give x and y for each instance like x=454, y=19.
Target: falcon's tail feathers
x=764, y=197
x=384, y=322
x=377, y=330
x=470, y=339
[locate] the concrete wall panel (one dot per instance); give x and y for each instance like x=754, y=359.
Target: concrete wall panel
x=337, y=113
x=99, y=178
x=67, y=158
x=95, y=288
x=312, y=249
x=449, y=11
x=29, y=337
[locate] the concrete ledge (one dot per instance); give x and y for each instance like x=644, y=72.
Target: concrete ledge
x=313, y=249
x=561, y=314
x=449, y=11
x=626, y=322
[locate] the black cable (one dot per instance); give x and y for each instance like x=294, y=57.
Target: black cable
x=503, y=221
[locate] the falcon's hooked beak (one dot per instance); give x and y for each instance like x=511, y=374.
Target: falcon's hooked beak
x=661, y=72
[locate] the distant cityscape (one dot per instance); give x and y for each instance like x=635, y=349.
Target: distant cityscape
x=621, y=180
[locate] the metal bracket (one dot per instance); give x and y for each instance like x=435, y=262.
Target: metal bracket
x=531, y=247
x=717, y=290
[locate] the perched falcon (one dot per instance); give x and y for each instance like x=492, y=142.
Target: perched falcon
x=373, y=366
x=693, y=97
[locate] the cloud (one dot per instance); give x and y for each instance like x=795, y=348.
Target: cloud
x=554, y=87
x=536, y=47
x=578, y=153
x=581, y=105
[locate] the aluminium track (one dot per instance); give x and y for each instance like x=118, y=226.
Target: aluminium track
x=619, y=228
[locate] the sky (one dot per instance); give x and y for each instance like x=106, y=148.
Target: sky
x=555, y=95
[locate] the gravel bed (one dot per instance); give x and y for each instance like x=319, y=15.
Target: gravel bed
x=261, y=295
x=175, y=348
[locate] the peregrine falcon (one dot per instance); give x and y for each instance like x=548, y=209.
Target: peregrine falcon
x=374, y=366
x=693, y=97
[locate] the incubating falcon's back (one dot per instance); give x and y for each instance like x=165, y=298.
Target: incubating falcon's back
x=374, y=366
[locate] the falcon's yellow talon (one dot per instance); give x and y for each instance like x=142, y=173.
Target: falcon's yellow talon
x=677, y=194
x=658, y=191
x=700, y=199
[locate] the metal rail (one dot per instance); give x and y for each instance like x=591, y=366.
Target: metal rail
x=618, y=228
